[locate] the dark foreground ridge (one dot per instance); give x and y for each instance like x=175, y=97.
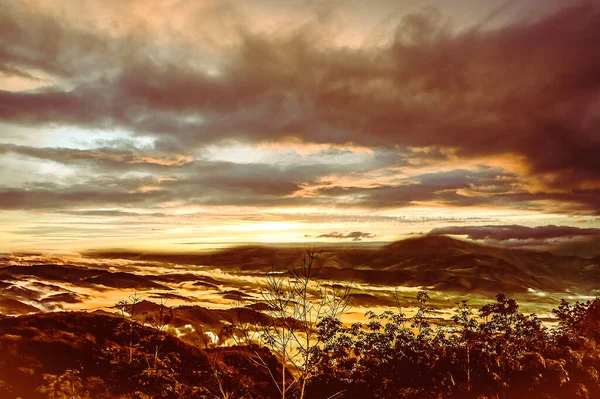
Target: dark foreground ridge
x=86, y=355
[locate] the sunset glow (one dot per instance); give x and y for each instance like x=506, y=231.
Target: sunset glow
x=180, y=126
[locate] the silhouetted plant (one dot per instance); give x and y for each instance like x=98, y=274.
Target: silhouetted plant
x=495, y=353
x=296, y=303
x=465, y=333
x=127, y=308
x=158, y=321
x=67, y=385
x=498, y=353
x=579, y=319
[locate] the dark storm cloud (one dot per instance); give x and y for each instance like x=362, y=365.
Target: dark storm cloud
x=111, y=176
x=55, y=198
x=528, y=89
x=562, y=240
x=199, y=182
x=516, y=232
x=444, y=187
x=569, y=201
x=101, y=155
x=32, y=40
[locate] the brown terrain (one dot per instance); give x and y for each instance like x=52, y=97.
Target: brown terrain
x=102, y=349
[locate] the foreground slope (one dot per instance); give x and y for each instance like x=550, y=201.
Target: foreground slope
x=63, y=352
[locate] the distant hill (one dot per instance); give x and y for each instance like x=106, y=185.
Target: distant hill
x=445, y=263
x=435, y=262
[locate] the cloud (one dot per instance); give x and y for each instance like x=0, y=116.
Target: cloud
x=564, y=240
x=107, y=155
x=517, y=232
x=194, y=183
x=466, y=94
x=354, y=236
x=56, y=198
x=113, y=213
x=456, y=188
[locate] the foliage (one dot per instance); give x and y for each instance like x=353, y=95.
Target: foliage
x=128, y=326
x=67, y=385
x=498, y=353
x=495, y=352
x=296, y=303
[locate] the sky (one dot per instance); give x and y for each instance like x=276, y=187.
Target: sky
x=179, y=125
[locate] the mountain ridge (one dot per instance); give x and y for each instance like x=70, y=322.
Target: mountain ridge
x=433, y=262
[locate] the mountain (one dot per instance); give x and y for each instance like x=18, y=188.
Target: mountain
x=436, y=261
x=433, y=262
x=448, y=264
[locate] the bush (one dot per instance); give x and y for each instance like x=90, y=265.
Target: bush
x=500, y=353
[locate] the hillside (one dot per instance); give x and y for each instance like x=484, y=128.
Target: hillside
x=508, y=354
x=438, y=261
x=223, y=277
x=449, y=264
x=76, y=352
